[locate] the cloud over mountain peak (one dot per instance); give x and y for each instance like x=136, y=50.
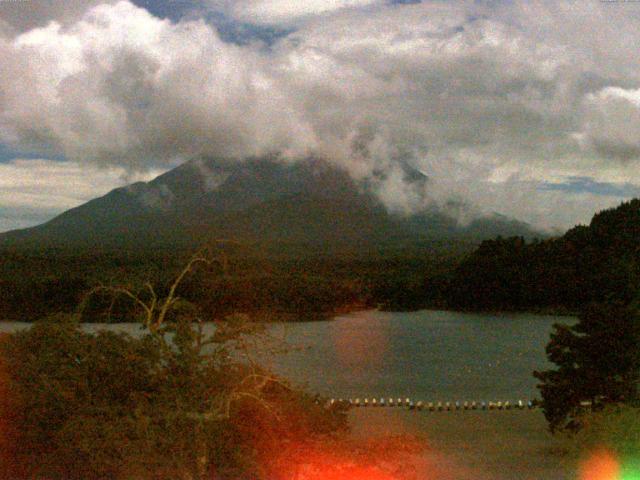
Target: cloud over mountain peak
x=464, y=92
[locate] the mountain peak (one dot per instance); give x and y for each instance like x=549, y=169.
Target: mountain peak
x=258, y=199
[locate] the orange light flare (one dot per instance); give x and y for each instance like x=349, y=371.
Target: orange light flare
x=601, y=465
x=391, y=458
x=326, y=466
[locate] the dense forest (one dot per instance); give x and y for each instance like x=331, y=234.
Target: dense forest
x=594, y=263
x=597, y=262
x=38, y=283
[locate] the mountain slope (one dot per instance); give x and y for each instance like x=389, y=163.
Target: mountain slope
x=260, y=200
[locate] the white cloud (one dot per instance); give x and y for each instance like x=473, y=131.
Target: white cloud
x=611, y=123
x=284, y=11
x=485, y=100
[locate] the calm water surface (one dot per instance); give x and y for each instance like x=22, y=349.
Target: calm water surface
x=429, y=355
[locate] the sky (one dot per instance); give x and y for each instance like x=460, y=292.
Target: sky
x=526, y=109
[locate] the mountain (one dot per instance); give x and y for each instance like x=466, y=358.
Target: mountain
x=309, y=204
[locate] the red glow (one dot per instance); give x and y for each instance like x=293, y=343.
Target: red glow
x=602, y=465
x=349, y=473
x=327, y=467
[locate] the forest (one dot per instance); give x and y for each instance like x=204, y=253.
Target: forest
x=596, y=262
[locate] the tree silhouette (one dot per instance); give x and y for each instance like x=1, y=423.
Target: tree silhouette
x=598, y=363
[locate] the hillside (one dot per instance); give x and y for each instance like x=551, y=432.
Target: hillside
x=308, y=203
x=589, y=263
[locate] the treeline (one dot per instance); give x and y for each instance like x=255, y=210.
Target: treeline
x=598, y=262
x=594, y=263
x=35, y=284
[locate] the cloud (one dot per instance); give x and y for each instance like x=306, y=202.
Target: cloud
x=488, y=99
x=284, y=11
x=22, y=15
x=612, y=123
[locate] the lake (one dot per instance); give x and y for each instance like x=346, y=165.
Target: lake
x=431, y=356
x=428, y=355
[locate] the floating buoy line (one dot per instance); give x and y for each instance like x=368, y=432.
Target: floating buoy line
x=431, y=406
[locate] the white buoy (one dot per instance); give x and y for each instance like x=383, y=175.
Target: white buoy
x=499, y=405
x=391, y=402
x=407, y=402
x=457, y=405
x=465, y=405
x=374, y=402
x=420, y=405
x=382, y=402
x=448, y=406
x=366, y=402
x=507, y=405
x=357, y=402
x=439, y=406
x=520, y=404
x=474, y=405
x=431, y=407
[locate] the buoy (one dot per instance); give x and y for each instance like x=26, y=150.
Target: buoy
x=357, y=402
x=406, y=402
x=374, y=402
x=507, y=405
x=520, y=404
x=439, y=406
x=499, y=405
x=465, y=405
x=530, y=404
x=457, y=405
x=391, y=402
x=431, y=407
x=411, y=406
x=474, y=405
x=366, y=402
x=399, y=402
x=382, y=403
x=420, y=405
x=484, y=405
x=448, y=406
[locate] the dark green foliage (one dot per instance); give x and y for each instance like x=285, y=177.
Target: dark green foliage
x=35, y=284
x=598, y=361
x=111, y=406
x=597, y=263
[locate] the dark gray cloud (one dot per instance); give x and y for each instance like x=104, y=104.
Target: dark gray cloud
x=22, y=15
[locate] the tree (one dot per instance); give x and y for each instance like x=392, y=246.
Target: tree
x=598, y=362
x=174, y=402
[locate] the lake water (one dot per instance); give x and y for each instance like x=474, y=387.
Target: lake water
x=428, y=355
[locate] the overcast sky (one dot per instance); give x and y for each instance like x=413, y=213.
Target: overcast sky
x=527, y=109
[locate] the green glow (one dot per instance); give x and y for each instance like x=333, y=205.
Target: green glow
x=630, y=470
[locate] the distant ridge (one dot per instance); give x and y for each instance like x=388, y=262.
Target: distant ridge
x=308, y=203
